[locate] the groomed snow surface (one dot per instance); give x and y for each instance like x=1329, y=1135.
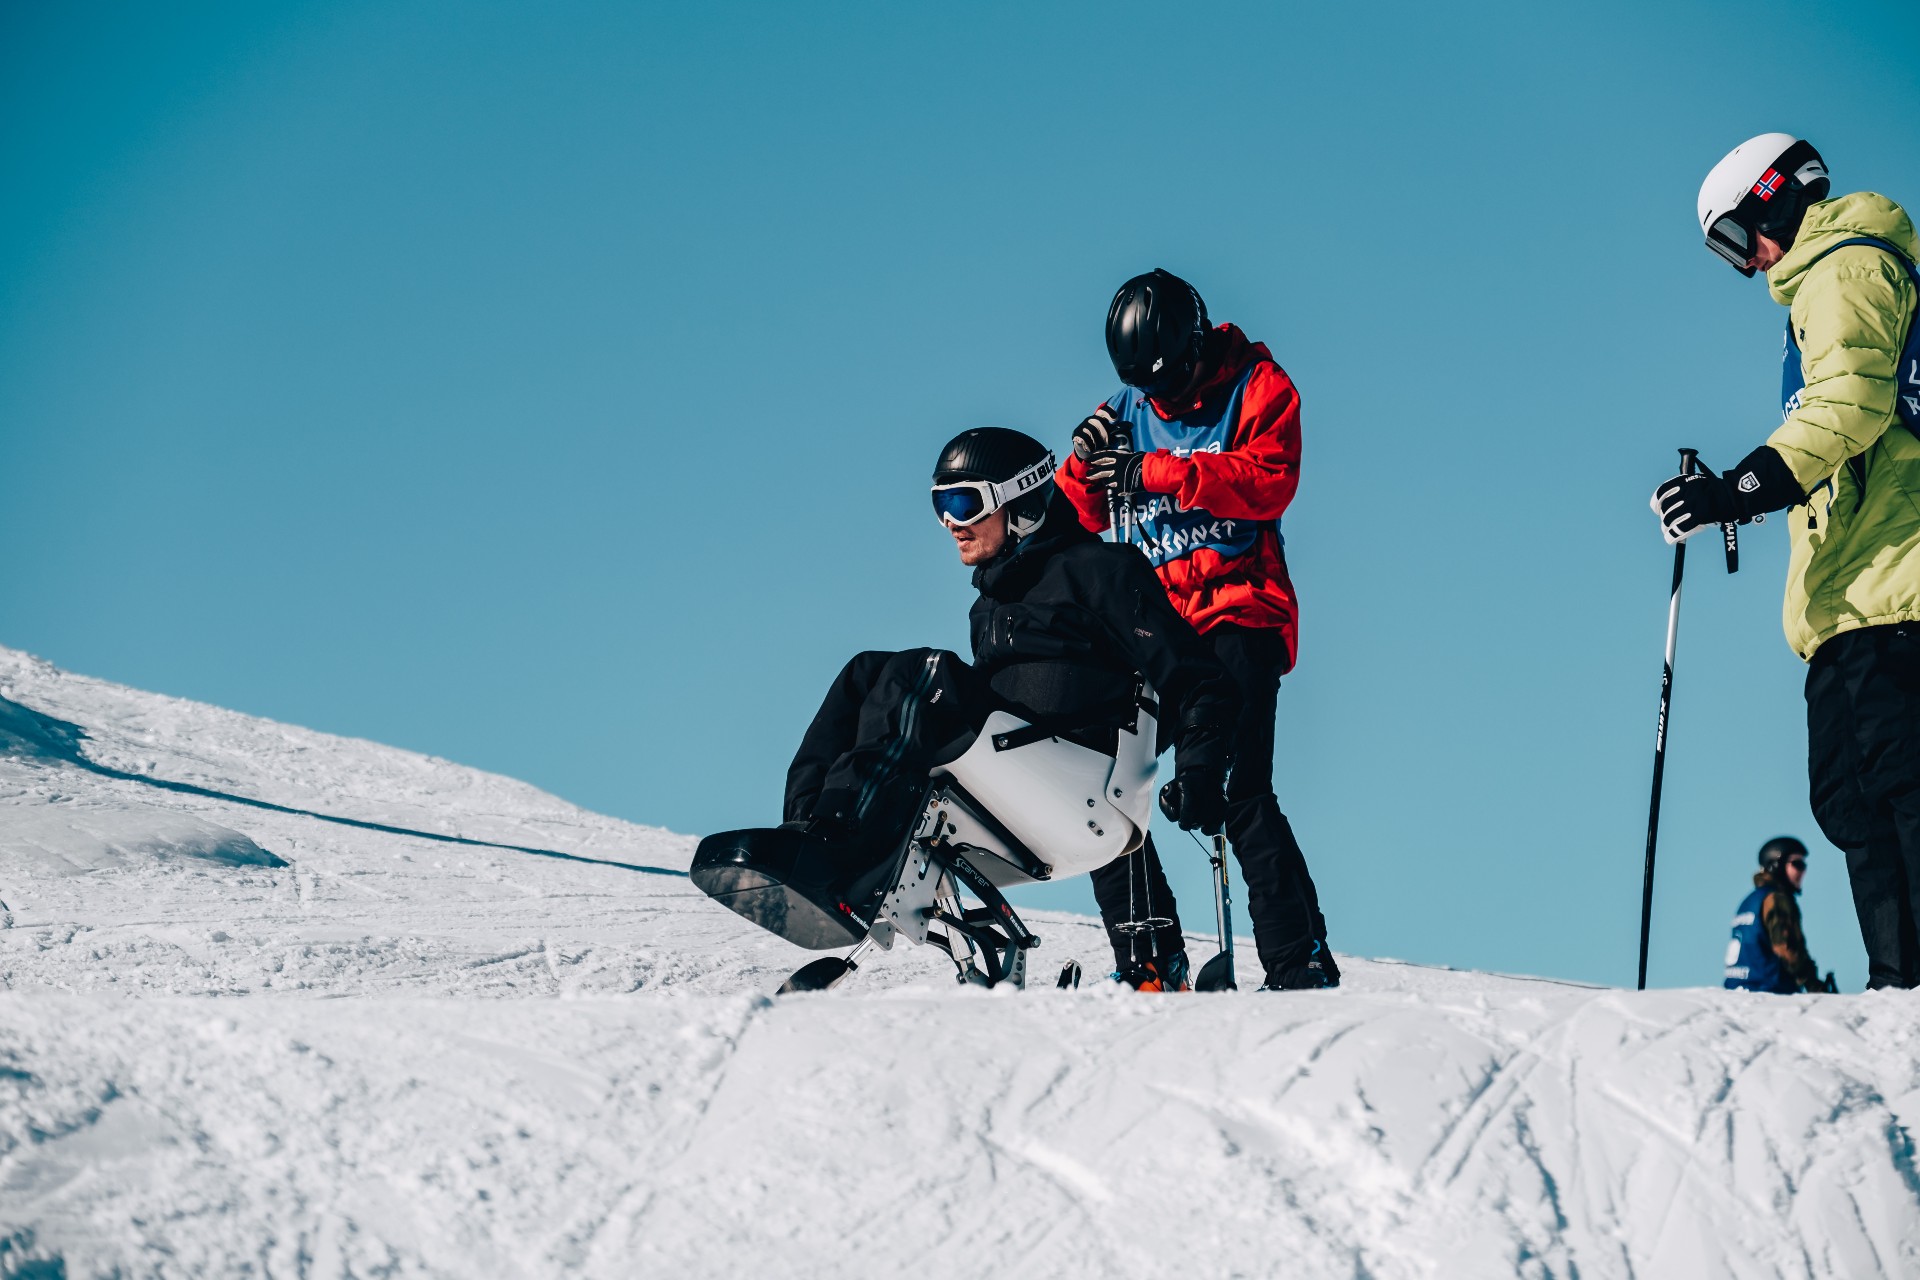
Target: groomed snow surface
x=238, y=1040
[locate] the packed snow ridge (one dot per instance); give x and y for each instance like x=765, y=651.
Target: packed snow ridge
x=473, y=1030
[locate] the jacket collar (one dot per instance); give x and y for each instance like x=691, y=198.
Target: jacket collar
x=1828, y=223
x=1010, y=574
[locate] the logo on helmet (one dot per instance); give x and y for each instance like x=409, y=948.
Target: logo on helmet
x=1768, y=184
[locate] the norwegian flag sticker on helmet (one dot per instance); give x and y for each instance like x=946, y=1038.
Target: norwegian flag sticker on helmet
x=1768, y=184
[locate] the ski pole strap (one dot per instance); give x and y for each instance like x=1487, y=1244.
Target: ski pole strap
x=1730, y=531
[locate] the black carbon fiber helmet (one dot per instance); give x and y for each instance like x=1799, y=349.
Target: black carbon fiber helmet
x=1775, y=852
x=1156, y=332
x=994, y=467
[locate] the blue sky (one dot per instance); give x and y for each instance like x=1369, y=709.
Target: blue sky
x=553, y=388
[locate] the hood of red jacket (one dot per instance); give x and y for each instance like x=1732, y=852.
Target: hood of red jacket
x=1228, y=355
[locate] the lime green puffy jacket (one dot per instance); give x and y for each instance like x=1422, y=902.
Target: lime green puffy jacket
x=1856, y=549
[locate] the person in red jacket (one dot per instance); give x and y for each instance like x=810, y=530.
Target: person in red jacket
x=1197, y=457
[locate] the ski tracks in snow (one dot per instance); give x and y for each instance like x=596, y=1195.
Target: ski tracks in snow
x=299, y=1138
x=453, y=1061
x=1361, y=1132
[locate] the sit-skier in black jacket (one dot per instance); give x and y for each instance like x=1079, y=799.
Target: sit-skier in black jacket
x=1064, y=626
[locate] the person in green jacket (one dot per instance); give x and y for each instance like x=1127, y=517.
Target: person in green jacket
x=1846, y=459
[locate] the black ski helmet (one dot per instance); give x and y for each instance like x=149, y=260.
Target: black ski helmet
x=1156, y=332
x=997, y=455
x=1775, y=852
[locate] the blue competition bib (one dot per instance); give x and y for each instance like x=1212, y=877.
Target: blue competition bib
x=1751, y=964
x=1161, y=528
x=1793, y=379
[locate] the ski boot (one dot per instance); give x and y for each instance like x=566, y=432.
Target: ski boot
x=1166, y=973
x=1328, y=965
x=1311, y=974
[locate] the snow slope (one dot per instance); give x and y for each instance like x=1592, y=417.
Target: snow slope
x=245, y=1040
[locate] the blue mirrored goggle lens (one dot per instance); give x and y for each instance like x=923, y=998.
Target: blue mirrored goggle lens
x=962, y=506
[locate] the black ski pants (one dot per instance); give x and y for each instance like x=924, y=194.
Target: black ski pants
x=1281, y=899
x=1863, y=764
x=887, y=719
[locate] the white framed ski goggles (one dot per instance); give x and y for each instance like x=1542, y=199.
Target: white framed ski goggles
x=966, y=502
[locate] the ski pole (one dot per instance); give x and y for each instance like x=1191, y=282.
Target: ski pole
x=1217, y=973
x=1119, y=505
x=1223, y=902
x=1689, y=464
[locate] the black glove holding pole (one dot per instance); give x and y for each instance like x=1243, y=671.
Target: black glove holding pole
x=1115, y=469
x=1688, y=503
x=1105, y=449
x=1197, y=800
x=1099, y=432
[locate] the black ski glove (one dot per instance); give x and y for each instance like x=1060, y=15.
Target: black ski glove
x=1761, y=483
x=1689, y=503
x=1196, y=799
x=1100, y=431
x=1116, y=469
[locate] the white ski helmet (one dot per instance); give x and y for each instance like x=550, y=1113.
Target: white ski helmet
x=1762, y=187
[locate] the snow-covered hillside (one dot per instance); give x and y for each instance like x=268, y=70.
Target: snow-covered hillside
x=240, y=1039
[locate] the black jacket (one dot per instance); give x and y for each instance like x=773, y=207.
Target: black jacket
x=1065, y=621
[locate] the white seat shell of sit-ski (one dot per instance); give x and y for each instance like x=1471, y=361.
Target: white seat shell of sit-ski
x=1074, y=808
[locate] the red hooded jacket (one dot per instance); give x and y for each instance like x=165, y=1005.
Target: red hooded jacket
x=1252, y=478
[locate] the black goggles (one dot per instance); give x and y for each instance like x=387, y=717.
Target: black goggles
x=1733, y=240
x=1163, y=387
x=1168, y=378
x=966, y=502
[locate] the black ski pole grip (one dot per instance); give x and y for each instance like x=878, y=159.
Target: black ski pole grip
x=1689, y=462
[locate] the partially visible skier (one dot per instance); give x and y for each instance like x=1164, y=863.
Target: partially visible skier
x=1062, y=624
x=1769, y=950
x=1201, y=448
x=1847, y=460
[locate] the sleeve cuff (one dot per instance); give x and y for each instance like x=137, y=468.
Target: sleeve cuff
x=1162, y=472
x=1763, y=482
